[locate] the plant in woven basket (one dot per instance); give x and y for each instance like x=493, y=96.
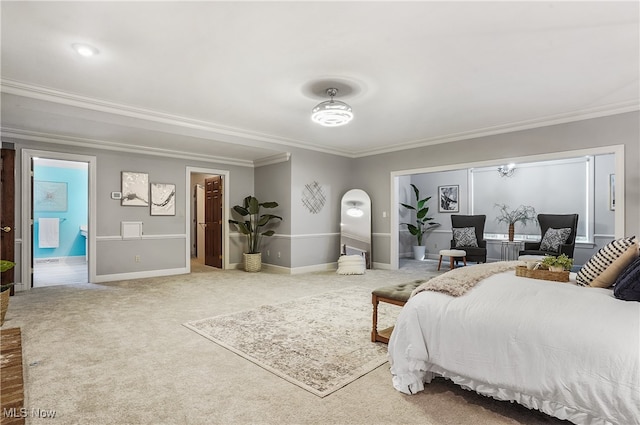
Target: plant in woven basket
x=253, y=221
x=523, y=214
x=4, y=289
x=559, y=263
x=4, y=266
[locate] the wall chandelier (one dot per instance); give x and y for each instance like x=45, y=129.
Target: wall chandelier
x=506, y=170
x=332, y=113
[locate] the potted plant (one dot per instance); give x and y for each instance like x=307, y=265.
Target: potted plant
x=557, y=264
x=423, y=222
x=523, y=214
x=4, y=289
x=251, y=226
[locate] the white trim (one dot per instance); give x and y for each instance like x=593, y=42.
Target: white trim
x=222, y=132
x=585, y=114
x=118, y=147
x=27, y=156
x=226, y=184
x=617, y=150
x=143, y=237
x=273, y=159
x=139, y=275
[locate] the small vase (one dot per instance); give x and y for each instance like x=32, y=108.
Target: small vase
x=556, y=268
x=512, y=231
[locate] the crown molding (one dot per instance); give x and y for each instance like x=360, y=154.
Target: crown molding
x=259, y=139
x=252, y=138
x=18, y=134
x=273, y=159
x=585, y=114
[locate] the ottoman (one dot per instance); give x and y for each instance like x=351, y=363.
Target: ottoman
x=397, y=295
x=452, y=254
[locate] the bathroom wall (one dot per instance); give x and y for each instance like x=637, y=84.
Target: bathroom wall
x=49, y=201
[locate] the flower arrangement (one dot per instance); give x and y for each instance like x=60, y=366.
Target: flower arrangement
x=523, y=214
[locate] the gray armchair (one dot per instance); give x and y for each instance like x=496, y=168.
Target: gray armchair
x=479, y=253
x=554, y=221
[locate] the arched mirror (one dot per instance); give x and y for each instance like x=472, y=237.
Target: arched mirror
x=355, y=225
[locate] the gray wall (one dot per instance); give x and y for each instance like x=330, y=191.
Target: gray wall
x=315, y=237
x=373, y=173
x=163, y=246
x=308, y=240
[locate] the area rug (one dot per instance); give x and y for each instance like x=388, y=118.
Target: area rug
x=320, y=343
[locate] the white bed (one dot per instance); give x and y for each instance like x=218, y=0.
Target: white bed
x=572, y=352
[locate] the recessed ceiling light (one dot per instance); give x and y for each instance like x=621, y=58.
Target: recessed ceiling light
x=85, y=50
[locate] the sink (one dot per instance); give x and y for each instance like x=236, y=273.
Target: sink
x=84, y=230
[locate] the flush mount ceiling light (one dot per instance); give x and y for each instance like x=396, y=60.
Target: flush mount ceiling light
x=354, y=211
x=85, y=50
x=506, y=171
x=332, y=113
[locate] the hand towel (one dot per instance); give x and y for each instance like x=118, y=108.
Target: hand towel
x=49, y=232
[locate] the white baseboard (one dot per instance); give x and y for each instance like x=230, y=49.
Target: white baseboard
x=138, y=275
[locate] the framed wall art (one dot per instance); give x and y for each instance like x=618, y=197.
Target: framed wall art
x=49, y=196
x=163, y=199
x=135, y=189
x=448, y=199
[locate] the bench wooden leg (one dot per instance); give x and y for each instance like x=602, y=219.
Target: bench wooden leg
x=439, y=263
x=374, y=331
x=452, y=263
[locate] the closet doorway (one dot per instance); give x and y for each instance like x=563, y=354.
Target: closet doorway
x=208, y=218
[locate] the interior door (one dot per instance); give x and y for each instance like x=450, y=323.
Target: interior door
x=7, y=199
x=200, y=223
x=213, y=221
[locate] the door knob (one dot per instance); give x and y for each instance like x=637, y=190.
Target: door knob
x=6, y=229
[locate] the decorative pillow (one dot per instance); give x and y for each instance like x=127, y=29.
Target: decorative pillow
x=464, y=237
x=553, y=238
x=627, y=285
x=351, y=264
x=605, y=266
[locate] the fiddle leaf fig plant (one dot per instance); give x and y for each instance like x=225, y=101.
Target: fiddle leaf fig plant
x=423, y=222
x=253, y=221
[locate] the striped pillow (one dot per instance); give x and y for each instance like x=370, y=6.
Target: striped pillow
x=604, y=267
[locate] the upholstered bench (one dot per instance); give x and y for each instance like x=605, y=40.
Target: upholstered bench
x=397, y=295
x=452, y=254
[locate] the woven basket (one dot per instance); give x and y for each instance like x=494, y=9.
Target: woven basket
x=252, y=262
x=523, y=271
x=4, y=304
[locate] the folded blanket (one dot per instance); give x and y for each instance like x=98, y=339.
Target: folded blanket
x=458, y=281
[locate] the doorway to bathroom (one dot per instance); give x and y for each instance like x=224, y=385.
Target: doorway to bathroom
x=57, y=201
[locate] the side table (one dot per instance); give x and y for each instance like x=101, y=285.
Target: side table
x=510, y=250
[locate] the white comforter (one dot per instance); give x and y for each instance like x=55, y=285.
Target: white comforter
x=569, y=351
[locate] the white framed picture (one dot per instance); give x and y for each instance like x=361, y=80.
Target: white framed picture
x=163, y=199
x=448, y=199
x=135, y=189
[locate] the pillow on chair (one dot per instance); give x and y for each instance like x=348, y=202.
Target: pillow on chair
x=553, y=238
x=464, y=236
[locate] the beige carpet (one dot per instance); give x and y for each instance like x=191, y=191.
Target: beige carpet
x=118, y=353
x=319, y=343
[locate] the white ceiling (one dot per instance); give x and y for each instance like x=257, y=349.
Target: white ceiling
x=237, y=80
